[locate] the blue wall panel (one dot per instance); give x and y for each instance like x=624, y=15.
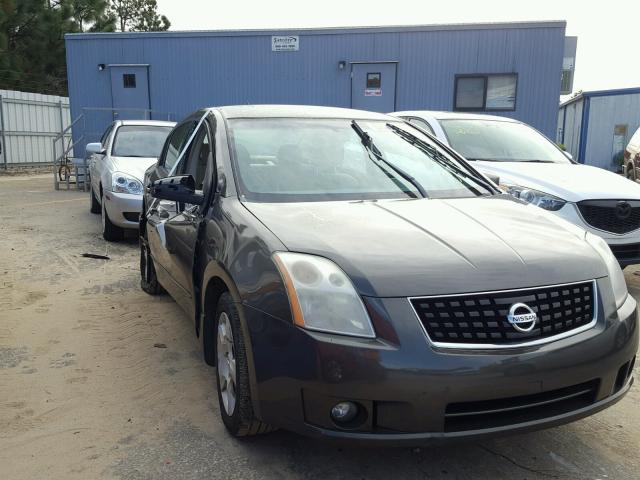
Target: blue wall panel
x=189, y=70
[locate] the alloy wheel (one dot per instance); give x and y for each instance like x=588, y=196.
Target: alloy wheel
x=226, y=364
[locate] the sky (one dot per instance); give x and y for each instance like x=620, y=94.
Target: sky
x=608, y=34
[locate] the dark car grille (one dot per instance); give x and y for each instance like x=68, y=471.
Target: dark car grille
x=481, y=318
x=465, y=416
x=626, y=251
x=613, y=216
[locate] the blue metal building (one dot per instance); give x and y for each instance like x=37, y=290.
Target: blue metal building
x=510, y=68
x=595, y=127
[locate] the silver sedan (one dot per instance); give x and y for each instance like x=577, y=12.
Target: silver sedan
x=116, y=167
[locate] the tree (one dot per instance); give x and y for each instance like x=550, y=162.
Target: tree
x=92, y=15
x=139, y=15
x=32, y=49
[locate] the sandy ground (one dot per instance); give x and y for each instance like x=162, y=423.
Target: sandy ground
x=85, y=394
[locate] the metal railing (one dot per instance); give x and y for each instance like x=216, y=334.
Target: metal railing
x=64, y=166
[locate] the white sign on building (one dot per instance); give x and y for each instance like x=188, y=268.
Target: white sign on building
x=285, y=43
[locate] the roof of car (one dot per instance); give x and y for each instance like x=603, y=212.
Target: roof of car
x=297, y=111
x=156, y=123
x=453, y=115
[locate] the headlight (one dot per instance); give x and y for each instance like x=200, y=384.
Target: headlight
x=321, y=295
x=534, y=197
x=123, y=183
x=616, y=276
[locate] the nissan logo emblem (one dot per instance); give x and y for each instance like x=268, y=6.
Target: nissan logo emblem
x=522, y=317
x=623, y=210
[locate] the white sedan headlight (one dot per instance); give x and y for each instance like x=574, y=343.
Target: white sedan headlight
x=321, y=295
x=123, y=183
x=618, y=283
x=534, y=197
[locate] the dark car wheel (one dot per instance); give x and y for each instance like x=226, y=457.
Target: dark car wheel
x=110, y=232
x=148, y=278
x=95, y=206
x=232, y=373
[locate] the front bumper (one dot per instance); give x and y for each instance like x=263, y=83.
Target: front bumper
x=123, y=209
x=407, y=385
x=626, y=247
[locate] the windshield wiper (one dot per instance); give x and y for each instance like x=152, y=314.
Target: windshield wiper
x=373, y=150
x=441, y=159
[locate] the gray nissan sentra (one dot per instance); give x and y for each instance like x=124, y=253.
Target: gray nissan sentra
x=352, y=278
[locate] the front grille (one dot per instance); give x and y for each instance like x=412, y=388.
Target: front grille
x=614, y=216
x=460, y=417
x=629, y=251
x=481, y=318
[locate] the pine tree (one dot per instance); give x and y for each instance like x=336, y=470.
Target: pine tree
x=32, y=49
x=139, y=15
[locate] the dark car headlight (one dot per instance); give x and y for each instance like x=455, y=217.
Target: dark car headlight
x=321, y=295
x=534, y=197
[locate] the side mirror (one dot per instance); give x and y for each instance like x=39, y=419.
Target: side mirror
x=93, y=148
x=181, y=189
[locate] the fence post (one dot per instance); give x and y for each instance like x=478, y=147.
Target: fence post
x=4, y=138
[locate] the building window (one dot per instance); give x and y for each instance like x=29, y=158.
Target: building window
x=129, y=80
x=485, y=92
x=374, y=80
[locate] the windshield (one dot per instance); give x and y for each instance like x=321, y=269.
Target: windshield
x=291, y=159
x=139, y=141
x=498, y=141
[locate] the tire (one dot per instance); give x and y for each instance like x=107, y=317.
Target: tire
x=95, y=206
x=110, y=232
x=148, y=278
x=237, y=415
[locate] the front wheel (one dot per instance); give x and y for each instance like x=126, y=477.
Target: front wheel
x=232, y=373
x=94, y=206
x=148, y=278
x=110, y=232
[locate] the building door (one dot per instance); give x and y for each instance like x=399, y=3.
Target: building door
x=373, y=86
x=130, y=92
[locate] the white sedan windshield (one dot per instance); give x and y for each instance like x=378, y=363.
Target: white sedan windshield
x=139, y=141
x=499, y=141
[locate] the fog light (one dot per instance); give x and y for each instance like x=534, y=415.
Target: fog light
x=344, y=412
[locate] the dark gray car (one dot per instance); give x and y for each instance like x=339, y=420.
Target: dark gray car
x=353, y=278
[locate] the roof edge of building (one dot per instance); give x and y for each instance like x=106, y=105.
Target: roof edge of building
x=324, y=30
x=602, y=93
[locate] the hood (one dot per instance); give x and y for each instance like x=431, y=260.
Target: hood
x=570, y=182
x=400, y=248
x=135, y=166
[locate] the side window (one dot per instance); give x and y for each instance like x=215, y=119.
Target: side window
x=105, y=135
x=422, y=124
x=200, y=162
x=175, y=144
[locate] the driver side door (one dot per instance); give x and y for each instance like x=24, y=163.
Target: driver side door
x=181, y=230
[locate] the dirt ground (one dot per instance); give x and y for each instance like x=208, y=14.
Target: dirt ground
x=100, y=380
